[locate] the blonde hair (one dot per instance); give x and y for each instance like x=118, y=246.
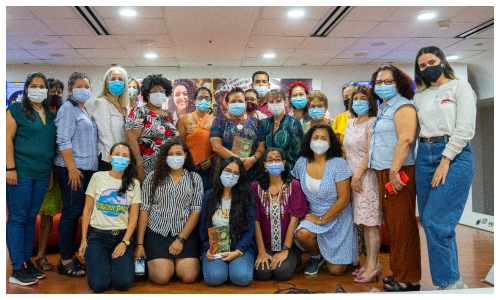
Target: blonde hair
x=317, y=96
x=104, y=92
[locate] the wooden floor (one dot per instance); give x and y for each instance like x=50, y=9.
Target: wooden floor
x=475, y=250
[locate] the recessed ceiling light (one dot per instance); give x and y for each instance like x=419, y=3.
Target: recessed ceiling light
x=295, y=13
x=478, y=44
x=451, y=57
x=144, y=42
x=56, y=55
x=426, y=15
x=39, y=43
x=361, y=55
x=150, y=55
x=378, y=44
x=269, y=55
x=128, y=11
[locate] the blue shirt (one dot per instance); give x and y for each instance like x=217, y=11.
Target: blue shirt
x=385, y=138
x=78, y=131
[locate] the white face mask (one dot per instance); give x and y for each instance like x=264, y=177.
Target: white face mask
x=175, y=162
x=276, y=109
x=261, y=90
x=37, y=95
x=157, y=99
x=319, y=147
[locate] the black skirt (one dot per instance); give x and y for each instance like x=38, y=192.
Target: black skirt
x=156, y=245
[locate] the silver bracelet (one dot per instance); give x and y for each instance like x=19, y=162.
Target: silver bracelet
x=321, y=221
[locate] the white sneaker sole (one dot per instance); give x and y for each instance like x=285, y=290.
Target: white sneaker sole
x=14, y=280
x=319, y=265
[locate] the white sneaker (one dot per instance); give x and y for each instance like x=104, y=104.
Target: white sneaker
x=457, y=285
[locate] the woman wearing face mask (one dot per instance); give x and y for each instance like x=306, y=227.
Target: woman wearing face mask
x=194, y=129
x=111, y=209
x=391, y=152
x=317, y=104
x=328, y=232
x=56, y=88
x=236, y=123
x=298, y=92
x=109, y=112
x=281, y=130
x=364, y=184
x=75, y=162
x=133, y=91
x=229, y=203
x=182, y=100
x=149, y=126
x=31, y=136
x=340, y=121
x=279, y=204
x=252, y=104
x=170, y=209
x=446, y=110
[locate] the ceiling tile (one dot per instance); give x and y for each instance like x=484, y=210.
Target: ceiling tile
x=92, y=41
x=9, y=45
x=321, y=43
x=54, y=12
x=100, y=62
x=474, y=14
x=19, y=54
x=259, y=52
x=261, y=41
x=67, y=53
x=410, y=13
x=454, y=30
x=262, y=62
x=417, y=43
x=390, y=43
x=69, y=27
x=143, y=12
x=204, y=63
x=281, y=12
x=79, y=62
x=311, y=53
x=299, y=62
x=284, y=27
x=140, y=52
x=487, y=34
x=25, y=62
x=18, y=13
x=104, y=53
x=370, y=13
x=462, y=54
x=395, y=62
x=470, y=44
x=348, y=61
x=373, y=54
x=158, y=62
x=54, y=42
x=130, y=40
x=400, y=29
x=135, y=26
x=353, y=28
x=27, y=27
x=400, y=54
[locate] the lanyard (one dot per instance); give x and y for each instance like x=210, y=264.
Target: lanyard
x=378, y=118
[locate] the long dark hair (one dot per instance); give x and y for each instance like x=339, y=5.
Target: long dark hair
x=403, y=82
x=420, y=81
x=162, y=170
x=27, y=108
x=263, y=179
x=191, y=89
x=241, y=200
x=130, y=173
x=365, y=90
x=305, y=114
x=333, y=151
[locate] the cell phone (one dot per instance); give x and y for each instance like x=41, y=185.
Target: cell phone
x=404, y=179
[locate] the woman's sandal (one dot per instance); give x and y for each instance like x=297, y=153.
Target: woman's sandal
x=71, y=269
x=396, y=287
x=43, y=264
x=388, y=279
x=79, y=264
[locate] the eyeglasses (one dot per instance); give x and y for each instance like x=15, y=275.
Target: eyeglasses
x=203, y=98
x=253, y=100
x=386, y=82
x=231, y=171
x=157, y=91
x=276, y=160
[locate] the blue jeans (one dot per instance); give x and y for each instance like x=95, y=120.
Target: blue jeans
x=205, y=177
x=240, y=270
x=102, y=269
x=23, y=202
x=440, y=208
x=72, y=209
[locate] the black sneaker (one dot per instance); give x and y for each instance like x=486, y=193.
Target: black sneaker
x=37, y=273
x=23, y=276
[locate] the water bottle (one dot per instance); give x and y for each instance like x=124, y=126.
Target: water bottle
x=140, y=267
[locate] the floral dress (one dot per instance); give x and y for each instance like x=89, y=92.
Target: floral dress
x=156, y=130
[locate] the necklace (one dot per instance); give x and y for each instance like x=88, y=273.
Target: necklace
x=238, y=126
x=38, y=109
x=200, y=123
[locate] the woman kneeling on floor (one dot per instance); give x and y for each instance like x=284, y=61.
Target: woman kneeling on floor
x=112, y=209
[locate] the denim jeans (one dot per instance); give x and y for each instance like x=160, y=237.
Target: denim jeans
x=205, y=177
x=23, y=202
x=72, y=209
x=240, y=270
x=440, y=208
x=102, y=269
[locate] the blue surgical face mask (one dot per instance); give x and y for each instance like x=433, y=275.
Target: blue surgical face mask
x=116, y=87
x=229, y=179
x=119, y=163
x=203, y=105
x=275, y=168
x=237, y=109
x=81, y=95
x=317, y=113
x=299, y=103
x=360, y=107
x=385, y=91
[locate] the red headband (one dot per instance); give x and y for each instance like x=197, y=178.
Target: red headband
x=298, y=83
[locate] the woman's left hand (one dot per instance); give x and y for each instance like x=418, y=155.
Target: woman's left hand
x=248, y=162
x=119, y=250
x=397, y=184
x=278, y=258
x=51, y=183
x=230, y=256
x=176, y=247
x=207, y=163
x=441, y=173
x=313, y=218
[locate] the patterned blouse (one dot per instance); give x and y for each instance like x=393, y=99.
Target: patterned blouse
x=171, y=205
x=226, y=129
x=274, y=214
x=288, y=137
x=156, y=130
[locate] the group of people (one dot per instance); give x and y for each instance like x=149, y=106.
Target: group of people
x=282, y=183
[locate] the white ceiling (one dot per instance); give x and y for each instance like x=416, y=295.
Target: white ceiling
x=238, y=36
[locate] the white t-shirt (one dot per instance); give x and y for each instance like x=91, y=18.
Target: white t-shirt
x=312, y=184
x=221, y=216
x=110, y=211
x=110, y=125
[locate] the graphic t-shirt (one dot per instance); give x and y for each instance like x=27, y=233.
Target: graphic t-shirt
x=110, y=210
x=221, y=216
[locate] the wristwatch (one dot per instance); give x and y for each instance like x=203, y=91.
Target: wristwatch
x=285, y=248
x=447, y=158
x=126, y=242
x=182, y=240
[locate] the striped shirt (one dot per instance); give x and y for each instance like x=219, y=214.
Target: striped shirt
x=78, y=131
x=170, y=207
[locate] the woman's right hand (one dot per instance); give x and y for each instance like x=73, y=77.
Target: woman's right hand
x=74, y=176
x=139, y=252
x=397, y=184
x=263, y=259
x=83, y=247
x=12, y=177
x=209, y=255
x=140, y=174
x=356, y=183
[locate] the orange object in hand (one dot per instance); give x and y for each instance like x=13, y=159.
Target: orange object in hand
x=404, y=179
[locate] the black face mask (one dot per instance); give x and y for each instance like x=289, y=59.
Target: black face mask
x=433, y=73
x=54, y=100
x=346, y=104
